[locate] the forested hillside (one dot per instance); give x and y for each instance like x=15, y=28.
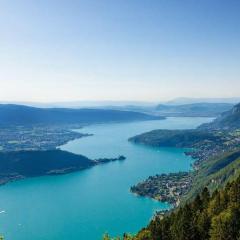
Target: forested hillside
x=22, y=164
x=17, y=165
x=207, y=217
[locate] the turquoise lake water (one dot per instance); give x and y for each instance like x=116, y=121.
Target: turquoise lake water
x=85, y=204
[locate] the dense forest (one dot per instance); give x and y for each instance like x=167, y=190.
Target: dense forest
x=207, y=217
x=174, y=138
x=17, y=165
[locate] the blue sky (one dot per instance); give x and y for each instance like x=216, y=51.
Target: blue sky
x=148, y=50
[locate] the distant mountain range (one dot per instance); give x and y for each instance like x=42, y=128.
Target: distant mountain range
x=227, y=120
x=21, y=115
x=194, y=109
x=81, y=104
x=184, y=110
x=122, y=104
x=185, y=100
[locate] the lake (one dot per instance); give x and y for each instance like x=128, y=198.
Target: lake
x=83, y=205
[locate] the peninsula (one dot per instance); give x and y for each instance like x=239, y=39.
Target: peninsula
x=24, y=164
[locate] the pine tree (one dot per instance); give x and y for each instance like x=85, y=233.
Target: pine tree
x=205, y=196
x=203, y=225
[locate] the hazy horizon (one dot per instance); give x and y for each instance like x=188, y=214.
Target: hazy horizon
x=124, y=103
x=105, y=50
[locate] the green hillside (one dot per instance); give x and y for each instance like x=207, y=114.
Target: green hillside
x=214, y=218
x=207, y=217
x=174, y=138
x=215, y=173
x=21, y=164
x=17, y=165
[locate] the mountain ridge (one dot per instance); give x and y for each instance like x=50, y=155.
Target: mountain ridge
x=11, y=114
x=227, y=120
x=194, y=109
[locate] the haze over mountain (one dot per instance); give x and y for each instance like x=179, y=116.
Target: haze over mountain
x=126, y=103
x=18, y=114
x=193, y=109
x=184, y=110
x=81, y=104
x=227, y=120
x=186, y=100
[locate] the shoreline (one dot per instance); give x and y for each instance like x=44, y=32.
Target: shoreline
x=166, y=188
x=200, y=150
x=61, y=162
